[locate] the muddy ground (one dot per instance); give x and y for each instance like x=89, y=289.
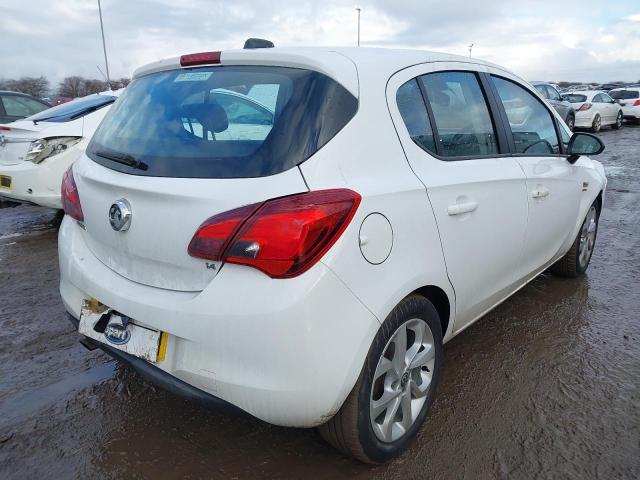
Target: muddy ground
x=545, y=386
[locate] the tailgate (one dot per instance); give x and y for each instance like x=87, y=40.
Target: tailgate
x=166, y=213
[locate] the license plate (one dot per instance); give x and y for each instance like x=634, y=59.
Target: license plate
x=118, y=331
x=5, y=182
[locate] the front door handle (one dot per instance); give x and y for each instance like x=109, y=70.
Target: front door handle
x=460, y=208
x=540, y=192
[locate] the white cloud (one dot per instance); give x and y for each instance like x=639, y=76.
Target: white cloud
x=578, y=40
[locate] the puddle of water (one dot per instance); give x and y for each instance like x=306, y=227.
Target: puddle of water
x=26, y=404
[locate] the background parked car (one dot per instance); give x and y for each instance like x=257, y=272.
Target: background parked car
x=629, y=100
x=15, y=105
x=36, y=151
x=595, y=109
x=563, y=107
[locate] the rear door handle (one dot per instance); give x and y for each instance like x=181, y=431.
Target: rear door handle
x=460, y=208
x=540, y=193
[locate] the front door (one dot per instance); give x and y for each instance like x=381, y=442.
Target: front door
x=553, y=184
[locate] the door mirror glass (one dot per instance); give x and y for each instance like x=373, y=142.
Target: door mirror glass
x=584, y=144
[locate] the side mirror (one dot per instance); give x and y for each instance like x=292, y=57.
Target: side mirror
x=583, y=144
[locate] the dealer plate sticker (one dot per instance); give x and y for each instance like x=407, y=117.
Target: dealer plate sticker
x=119, y=332
x=193, y=77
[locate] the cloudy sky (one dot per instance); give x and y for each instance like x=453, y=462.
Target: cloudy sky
x=580, y=40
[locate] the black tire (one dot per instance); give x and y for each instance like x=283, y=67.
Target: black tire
x=350, y=430
x=619, y=119
x=571, y=121
x=596, y=125
x=570, y=265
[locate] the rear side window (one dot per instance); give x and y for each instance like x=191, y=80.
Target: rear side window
x=17, y=106
x=462, y=120
x=221, y=122
x=532, y=125
x=415, y=116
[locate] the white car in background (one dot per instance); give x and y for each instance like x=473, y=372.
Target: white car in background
x=36, y=151
x=629, y=100
x=594, y=109
x=307, y=266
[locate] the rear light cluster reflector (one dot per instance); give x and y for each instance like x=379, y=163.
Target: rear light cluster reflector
x=283, y=237
x=636, y=103
x=202, y=58
x=584, y=107
x=70, y=196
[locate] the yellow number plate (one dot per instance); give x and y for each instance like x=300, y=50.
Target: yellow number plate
x=5, y=182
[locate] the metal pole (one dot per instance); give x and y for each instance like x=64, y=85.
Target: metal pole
x=470, y=48
x=104, y=46
x=358, y=26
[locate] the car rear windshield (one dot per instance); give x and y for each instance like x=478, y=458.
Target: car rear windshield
x=221, y=122
x=624, y=94
x=574, y=98
x=74, y=109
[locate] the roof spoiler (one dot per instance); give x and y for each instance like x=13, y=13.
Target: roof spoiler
x=258, y=43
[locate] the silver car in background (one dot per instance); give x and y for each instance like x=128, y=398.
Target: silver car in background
x=564, y=108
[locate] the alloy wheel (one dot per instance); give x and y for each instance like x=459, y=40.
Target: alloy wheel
x=588, y=237
x=402, y=379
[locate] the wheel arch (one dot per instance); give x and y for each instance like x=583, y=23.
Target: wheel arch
x=440, y=300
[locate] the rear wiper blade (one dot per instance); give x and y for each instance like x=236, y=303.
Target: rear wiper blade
x=123, y=158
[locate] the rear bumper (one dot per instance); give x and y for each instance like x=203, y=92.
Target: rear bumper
x=631, y=112
x=584, y=119
x=162, y=378
x=286, y=351
x=38, y=184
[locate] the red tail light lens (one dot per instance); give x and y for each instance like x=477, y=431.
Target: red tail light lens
x=282, y=237
x=70, y=197
x=584, y=107
x=203, y=58
x=214, y=234
x=636, y=103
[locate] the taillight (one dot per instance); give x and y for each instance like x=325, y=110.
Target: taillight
x=636, y=103
x=6, y=129
x=584, y=107
x=203, y=58
x=283, y=237
x=70, y=197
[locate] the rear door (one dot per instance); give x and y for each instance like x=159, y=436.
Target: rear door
x=553, y=184
x=477, y=191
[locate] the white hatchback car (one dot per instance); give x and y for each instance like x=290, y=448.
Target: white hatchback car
x=629, y=100
x=36, y=151
x=309, y=272
x=595, y=109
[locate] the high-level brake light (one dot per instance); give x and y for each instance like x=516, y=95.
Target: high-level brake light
x=202, y=58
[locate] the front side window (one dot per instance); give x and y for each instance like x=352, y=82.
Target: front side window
x=532, y=125
x=552, y=93
x=17, y=106
x=415, y=116
x=221, y=122
x=463, y=123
